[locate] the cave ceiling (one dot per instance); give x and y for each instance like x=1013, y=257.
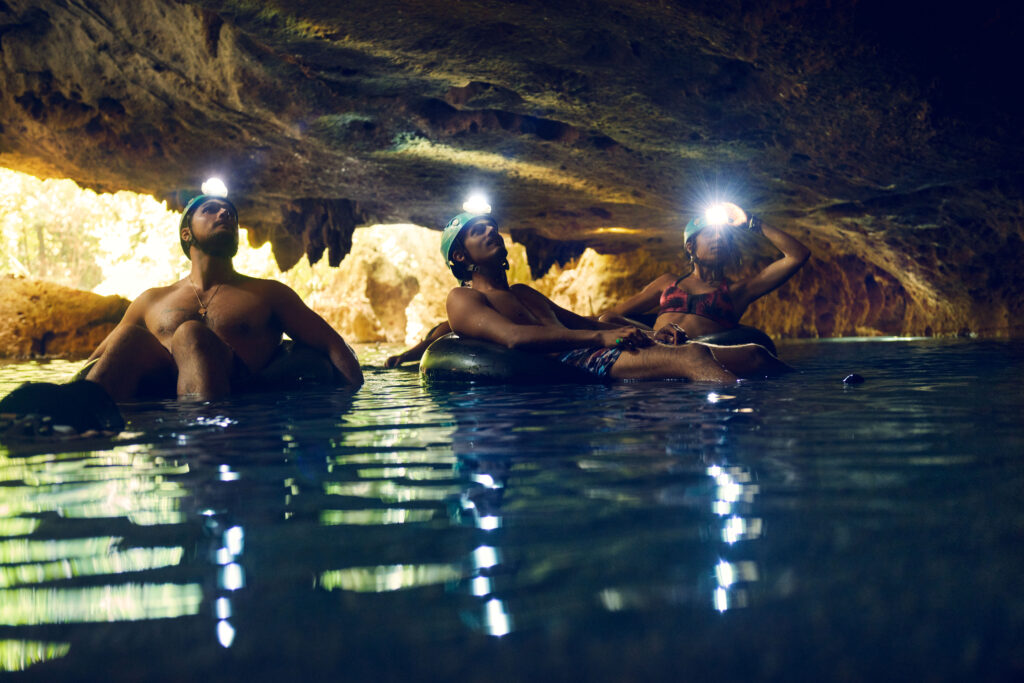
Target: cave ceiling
x=890, y=134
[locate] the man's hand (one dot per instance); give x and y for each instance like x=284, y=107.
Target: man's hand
x=394, y=361
x=629, y=338
x=671, y=334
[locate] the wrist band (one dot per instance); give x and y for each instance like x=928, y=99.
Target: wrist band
x=754, y=224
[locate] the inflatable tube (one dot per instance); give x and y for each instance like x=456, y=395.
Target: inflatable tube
x=43, y=409
x=297, y=366
x=741, y=334
x=294, y=366
x=455, y=359
x=80, y=407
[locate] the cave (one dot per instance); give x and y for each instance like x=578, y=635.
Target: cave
x=883, y=137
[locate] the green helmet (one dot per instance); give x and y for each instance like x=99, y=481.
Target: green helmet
x=695, y=225
x=453, y=229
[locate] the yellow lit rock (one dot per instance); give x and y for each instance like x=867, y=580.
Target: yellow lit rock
x=43, y=319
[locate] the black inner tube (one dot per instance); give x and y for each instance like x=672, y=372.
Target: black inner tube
x=741, y=334
x=461, y=359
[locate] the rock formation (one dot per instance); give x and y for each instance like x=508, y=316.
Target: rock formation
x=39, y=319
x=885, y=135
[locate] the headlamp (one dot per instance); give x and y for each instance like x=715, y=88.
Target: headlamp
x=215, y=187
x=716, y=215
x=476, y=203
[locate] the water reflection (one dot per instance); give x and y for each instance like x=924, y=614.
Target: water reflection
x=715, y=496
x=389, y=477
x=43, y=563
x=405, y=525
x=182, y=484
x=18, y=655
x=483, y=458
x=121, y=602
x=382, y=579
x=229, y=542
x=734, y=494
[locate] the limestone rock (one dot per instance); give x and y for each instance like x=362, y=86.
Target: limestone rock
x=41, y=319
x=392, y=286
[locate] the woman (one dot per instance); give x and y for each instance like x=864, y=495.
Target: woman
x=703, y=301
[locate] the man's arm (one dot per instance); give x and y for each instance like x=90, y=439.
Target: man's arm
x=573, y=321
x=134, y=315
x=470, y=315
x=302, y=324
x=416, y=352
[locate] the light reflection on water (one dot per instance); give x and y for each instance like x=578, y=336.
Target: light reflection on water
x=647, y=527
x=18, y=655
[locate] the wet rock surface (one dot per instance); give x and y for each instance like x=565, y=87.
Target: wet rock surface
x=886, y=138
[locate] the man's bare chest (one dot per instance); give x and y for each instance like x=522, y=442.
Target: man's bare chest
x=231, y=313
x=520, y=312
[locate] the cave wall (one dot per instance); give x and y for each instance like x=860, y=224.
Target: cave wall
x=853, y=123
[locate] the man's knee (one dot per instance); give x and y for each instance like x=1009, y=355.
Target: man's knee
x=133, y=363
x=128, y=347
x=132, y=336
x=694, y=352
x=191, y=336
x=754, y=355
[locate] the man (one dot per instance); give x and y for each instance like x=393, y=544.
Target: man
x=520, y=317
x=216, y=331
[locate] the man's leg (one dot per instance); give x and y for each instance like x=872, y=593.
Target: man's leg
x=747, y=360
x=204, y=362
x=131, y=356
x=689, y=361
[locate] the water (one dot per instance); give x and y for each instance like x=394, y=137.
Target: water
x=794, y=529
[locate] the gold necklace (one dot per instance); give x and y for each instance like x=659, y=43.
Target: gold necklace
x=203, y=308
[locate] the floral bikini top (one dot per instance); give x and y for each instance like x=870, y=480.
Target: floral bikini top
x=716, y=305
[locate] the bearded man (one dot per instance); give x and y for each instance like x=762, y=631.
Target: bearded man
x=215, y=332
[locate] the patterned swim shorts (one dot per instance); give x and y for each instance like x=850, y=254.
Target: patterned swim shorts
x=597, y=360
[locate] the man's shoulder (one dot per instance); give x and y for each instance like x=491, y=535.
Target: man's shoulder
x=527, y=292
x=156, y=293
x=263, y=286
x=465, y=294
x=520, y=288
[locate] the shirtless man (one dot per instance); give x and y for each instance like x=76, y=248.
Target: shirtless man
x=520, y=317
x=214, y=331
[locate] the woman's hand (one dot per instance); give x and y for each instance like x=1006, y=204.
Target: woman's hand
x=736, y=216
x=671, y=335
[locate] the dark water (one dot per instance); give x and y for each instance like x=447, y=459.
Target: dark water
x=796, y=529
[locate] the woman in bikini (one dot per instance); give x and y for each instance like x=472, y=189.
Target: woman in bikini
x=703, y=301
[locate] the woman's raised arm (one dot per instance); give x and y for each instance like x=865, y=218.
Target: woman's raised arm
x=794, y=255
